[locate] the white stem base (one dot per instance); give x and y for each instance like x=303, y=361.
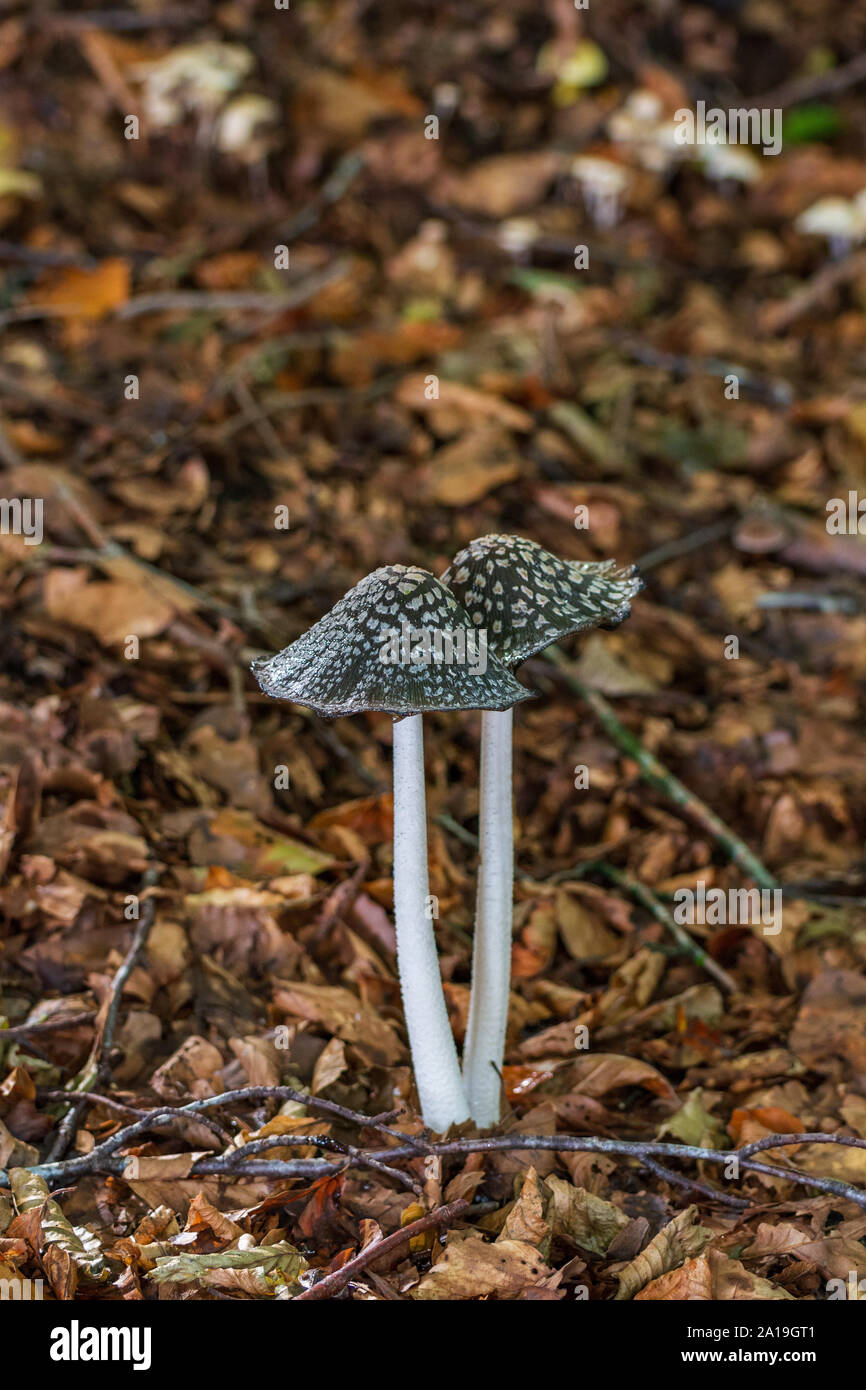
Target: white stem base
x=491, y=955
x=434, y=1055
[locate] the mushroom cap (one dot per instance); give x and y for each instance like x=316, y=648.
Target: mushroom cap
x=528, y=598
x=345, y=663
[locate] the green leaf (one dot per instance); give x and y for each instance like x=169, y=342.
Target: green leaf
x=817, y=121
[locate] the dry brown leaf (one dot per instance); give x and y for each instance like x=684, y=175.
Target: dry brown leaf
x=526, y=1220
x=478, y=462
x=470, y=1268
x=589, y=1221
x=711, y=1276
x=680, y=1240
x=502, y=185
x=600, y=1072
x=830, y=1027
x=341, y=1013
x=160, y=1166
x=330, y=1064
x=465, y=400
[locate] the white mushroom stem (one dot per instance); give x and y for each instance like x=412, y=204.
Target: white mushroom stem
x=491, y=956
x=434, y=1055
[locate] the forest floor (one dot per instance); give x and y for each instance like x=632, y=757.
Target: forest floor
x=263, y=333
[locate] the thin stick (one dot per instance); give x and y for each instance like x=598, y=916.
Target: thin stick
x=659, y=777
x=94, y=1068
x=680, y=1180
x=49, y=1025
x=334, y=1283
x=105, y=1159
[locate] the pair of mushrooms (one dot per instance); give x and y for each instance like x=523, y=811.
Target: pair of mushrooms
x=503, y=599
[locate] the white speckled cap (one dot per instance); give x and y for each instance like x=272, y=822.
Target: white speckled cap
x=345, y=663
x=527, y=598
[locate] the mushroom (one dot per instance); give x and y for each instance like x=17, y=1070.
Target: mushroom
x=841, y=220
x=604, y=185
x=526, y=598
x=383, y=647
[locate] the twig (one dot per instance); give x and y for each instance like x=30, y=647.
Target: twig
x=683, y=545
x=808, y=603
x=94, y=1068
x=230, y=301
x=659, y=777
x=680, y=1180
x=356, y=1157
x=105, y=1159
x=780, y=316
x=817, y=84
x=49, y=1025
x=327, y=1107
x=780, y=392
x=180, y=16
x=338, y=182
x=276, y=402
x=457, y=830
x=638, y=1149
x=376, y=1250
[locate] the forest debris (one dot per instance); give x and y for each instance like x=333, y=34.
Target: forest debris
x=680, y=1240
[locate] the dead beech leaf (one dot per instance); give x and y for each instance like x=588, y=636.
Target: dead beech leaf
x=194, y=1069
x=831, y=1025
x=238, y=841
x=584, y=936
x=342, y=1013
x=501, y=185
x=330, y=1064
x=92, y=841
x=204, y=1216
x=526, y=1220
x=467, y=400
x=780, y=1239
x=479, y=461
x=260, y=1060
x=536, y=942
x=470, y=1268
x=832, y=1161
x=711, y=1276
x=160, y=1166
x=343, y=107
x=597, y=1073
x=85, y=294
x=835, y=1255
x=14, y=1153
x=681, y=1239
x=111, y=609
x=585, y=1219
x=746, y=1125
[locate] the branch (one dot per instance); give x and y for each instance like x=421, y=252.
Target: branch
x=95, y=1067
x=243, y=1162
x=377, y=1249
